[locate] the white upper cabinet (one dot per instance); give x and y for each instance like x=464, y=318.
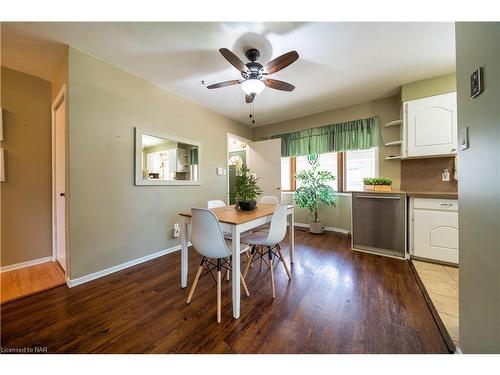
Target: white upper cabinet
x=430, y=126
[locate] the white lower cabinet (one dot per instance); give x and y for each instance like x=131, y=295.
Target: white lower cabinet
x=434, y=229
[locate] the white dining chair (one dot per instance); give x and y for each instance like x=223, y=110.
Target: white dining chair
x=215, y=203
x=208, y=240
x=218, y=203
x=265, y=243
x=267, y=199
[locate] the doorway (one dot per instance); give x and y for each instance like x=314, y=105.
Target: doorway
x=59, y=193
x=237, y=156
x=262, y=157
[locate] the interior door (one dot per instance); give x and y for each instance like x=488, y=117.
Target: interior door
x=264, y=160
x=60, y=184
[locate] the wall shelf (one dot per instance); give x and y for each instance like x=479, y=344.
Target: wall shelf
x=395, y=143
x=393, y=123
x=398, y=157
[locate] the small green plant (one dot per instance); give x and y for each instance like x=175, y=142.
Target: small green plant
x=314, y=191
x=377, y=181
x=245, y=186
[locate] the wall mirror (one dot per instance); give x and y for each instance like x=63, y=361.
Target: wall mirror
x=162, y=159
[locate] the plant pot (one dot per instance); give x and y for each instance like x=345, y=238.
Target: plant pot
x=247, y=206
x=378, y=187
x=316, y=228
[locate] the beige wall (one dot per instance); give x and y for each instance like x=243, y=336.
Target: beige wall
x=113, y=221
x=60, y=76
x=26, y=195
x=478, y=187
x=387, y=109
x=429, y=87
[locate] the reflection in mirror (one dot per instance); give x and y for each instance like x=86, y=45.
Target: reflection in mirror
x=168, y=160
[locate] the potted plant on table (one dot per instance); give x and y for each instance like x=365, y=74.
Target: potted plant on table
x=314, y=192
x=246, y=189
x=377, y=184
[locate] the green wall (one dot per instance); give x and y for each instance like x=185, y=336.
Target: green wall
x=477, y=45
x=112, y=220
x=429, y=87
x=26, y=208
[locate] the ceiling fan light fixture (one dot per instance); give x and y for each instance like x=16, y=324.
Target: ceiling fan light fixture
x=252, y=86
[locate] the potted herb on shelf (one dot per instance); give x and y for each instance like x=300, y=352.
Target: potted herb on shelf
x=377, y=183
x=315, y=192
x=246, y=189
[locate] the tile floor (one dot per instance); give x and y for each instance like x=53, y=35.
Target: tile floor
x=441, y=283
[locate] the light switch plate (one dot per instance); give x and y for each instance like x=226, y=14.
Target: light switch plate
x=476, y=83
x=463, y=138
x=219, y=171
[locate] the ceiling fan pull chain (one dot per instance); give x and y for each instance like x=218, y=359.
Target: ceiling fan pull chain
x=253, y=113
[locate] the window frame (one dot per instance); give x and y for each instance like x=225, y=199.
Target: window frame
x=340, y=178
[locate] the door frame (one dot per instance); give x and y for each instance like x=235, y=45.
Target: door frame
x=242, y=139
x=60, y=98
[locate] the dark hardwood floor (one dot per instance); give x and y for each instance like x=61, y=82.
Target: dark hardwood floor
x=339, y=301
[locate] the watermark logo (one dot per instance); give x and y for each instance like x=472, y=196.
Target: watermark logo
x=24, y=350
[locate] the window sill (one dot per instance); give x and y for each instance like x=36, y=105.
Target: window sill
x=340, y=194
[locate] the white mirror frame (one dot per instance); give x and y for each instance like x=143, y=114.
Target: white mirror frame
x=139, y=180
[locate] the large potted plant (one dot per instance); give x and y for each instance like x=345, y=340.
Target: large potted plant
x=315, y=192
x=246, y=189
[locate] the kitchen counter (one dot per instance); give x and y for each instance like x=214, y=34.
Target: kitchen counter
x=432, y=194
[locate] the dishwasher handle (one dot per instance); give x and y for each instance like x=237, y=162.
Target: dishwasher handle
x=378, y=197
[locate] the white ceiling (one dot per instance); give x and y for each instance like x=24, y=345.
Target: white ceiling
x=340, y=63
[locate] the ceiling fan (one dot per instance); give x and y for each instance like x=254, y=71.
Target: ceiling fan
x=255, y=74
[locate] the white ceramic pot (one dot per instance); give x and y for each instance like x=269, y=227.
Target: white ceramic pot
x=316, y=228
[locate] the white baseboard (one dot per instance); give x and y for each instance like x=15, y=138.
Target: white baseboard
x=85, y=279
x=28, y=263
x=329, y=229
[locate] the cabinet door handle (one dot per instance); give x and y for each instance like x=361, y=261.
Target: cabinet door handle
x=446, y=204
x=453, y=149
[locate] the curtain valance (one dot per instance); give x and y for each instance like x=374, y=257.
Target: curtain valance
x=346, y=136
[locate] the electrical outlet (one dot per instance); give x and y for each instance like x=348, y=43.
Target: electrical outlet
x=176, y=231
x=445, y=175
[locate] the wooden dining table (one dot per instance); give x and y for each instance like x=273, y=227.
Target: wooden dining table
x=235, y=222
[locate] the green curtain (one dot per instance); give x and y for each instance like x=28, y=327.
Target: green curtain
x=352, y=135
x=193, y=156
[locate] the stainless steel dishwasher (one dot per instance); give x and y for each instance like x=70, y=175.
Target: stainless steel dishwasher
x=379, y=223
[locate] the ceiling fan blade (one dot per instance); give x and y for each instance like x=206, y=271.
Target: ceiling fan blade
x=249, y=98
x=233, y=59
x=224, y=84
x=280, y=62
x=278, y=85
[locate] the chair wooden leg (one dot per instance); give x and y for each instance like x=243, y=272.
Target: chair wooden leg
x=252, y=253
x=261, y=255
x=272, y=271
x=218, y=290
x=195, y=282
x=244, y=285
x=284, y=264
x=249, y=258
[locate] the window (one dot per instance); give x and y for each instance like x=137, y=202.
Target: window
x=285, y=174
x=358, y=165
x=349, y=168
